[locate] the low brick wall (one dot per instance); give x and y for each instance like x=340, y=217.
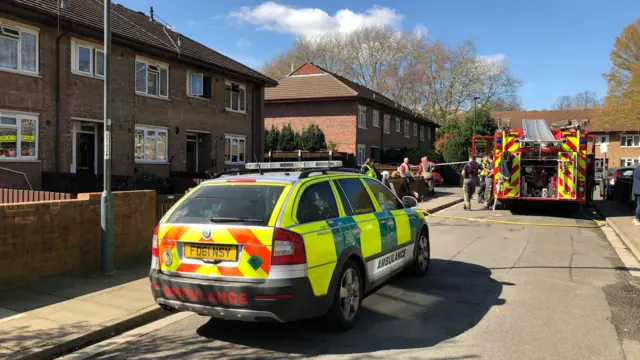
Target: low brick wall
x=60, y=237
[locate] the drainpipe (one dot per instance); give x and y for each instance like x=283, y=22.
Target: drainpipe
x=57, y=139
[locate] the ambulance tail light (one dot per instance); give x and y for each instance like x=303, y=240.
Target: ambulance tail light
x=154, y=250
x=288, y=248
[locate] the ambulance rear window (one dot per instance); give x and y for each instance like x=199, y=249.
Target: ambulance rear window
x=239, y=204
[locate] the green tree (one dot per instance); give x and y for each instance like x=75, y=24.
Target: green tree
x=271, y=139
x=332, y=146
x=287, y=139
x=312, y=138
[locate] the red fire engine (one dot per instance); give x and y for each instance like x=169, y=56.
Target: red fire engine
x=541, y=163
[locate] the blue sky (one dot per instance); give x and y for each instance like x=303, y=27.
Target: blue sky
x=556, y=47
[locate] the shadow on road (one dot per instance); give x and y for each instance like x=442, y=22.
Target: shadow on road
x=405, y=314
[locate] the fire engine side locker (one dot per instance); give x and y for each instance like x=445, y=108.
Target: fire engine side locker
x=566, y=187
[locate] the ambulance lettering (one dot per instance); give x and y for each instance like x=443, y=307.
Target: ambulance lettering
x=391, y=258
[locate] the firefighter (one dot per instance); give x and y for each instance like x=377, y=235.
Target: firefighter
x=482, y=171
x=405, y=168
x=469, y=173
x=488, y=183
x=368, y=169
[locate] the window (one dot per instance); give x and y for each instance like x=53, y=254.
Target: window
x=397, y=124
x=18, y=49
x=630, y=141
x=387, y=124
x=357, y=195
x=362, y=117
x=415, y=130
x=151, y=144
x=252, y=202
x=406, y=128
x=152, y=79
x=602, y=139
x=87, y=59
x=18, y=136
x=198, y=85
x=348, y=211
x=317, y=203
x=362, y=154
x=234, y=149
x=235, y=97
x=376, y=119
x=384, y=196
x=431, y=134
x=421, y=132
x=629, y=161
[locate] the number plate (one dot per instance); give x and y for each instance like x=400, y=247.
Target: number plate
x=211, y=252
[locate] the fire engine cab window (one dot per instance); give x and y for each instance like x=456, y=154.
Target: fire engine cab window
x=357, y=195
x=384, y=196
x=317, y=203
x=241, y=204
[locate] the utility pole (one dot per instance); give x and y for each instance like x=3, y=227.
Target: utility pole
x=106, y=211
x=475, y=98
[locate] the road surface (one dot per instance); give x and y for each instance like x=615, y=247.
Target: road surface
x=494, y=292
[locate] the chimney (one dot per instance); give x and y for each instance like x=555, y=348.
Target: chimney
x=291, y=68
x=151, y=13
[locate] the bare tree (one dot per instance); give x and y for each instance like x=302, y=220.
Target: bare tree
x=582, y=100
x=433, y=78
x=564, y=102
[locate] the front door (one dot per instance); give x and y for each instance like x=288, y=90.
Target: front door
x=375, y=154
x=85, y=153
x=192, y=153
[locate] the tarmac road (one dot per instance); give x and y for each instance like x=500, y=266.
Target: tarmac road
x=494, y=292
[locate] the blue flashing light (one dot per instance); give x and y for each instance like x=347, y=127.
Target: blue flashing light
x=499, y=141
x=583, y=141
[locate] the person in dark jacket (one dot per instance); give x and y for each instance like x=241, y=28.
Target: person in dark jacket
x=635, y=190
x=469, y=173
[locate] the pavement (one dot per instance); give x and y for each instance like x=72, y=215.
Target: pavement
x=494, y=291
x=58, y=315
x=620, y=219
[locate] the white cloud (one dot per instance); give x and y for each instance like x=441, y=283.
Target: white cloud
x=492, y=64
x=243, y=43
x=493, y=59
x=309, y=22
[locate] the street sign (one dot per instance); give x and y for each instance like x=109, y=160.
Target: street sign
x=603, y=147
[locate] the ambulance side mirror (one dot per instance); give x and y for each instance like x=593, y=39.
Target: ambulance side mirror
x=409, y=202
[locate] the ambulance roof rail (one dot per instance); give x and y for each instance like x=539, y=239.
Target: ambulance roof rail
x=289, y=165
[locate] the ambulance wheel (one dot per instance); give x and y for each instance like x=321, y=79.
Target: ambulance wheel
x=347, y=300
x=421, y=256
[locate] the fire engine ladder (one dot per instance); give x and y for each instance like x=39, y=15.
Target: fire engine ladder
x=537, y=131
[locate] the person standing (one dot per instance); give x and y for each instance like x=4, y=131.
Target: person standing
x=368, y=169
x=489, y=186
x=483, y=175
x=469, y=173
x=636, y=192
x=405, y=168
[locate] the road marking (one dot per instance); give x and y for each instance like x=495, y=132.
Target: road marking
x=630, y=262
x=126, y=337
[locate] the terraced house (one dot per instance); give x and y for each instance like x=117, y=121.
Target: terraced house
x=361, y=121
x=178, y=106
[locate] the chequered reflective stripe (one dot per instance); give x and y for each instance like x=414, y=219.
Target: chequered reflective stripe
x=571, y=145
x=512, y=145
x=254, y=257
x=512, y=185
x=566, y=186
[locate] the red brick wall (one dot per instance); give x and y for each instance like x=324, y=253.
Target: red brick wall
x=49, y=238
x=337, y=119
x=615, y=152
x=82, y=97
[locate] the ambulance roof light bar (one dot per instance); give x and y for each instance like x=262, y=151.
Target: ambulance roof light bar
x=288, y=165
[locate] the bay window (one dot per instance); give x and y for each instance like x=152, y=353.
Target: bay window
x=234, y=149
x=18, y=48
x=421, y=132
x=152, y=78
x=151, y=144
x=18, y=137
x=235, y=97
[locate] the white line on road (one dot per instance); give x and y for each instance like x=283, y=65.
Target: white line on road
x=126, y=337
x=629, y=261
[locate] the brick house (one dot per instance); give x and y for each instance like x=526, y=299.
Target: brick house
x=623, y=138
x=360, y=120
x=178, y=106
